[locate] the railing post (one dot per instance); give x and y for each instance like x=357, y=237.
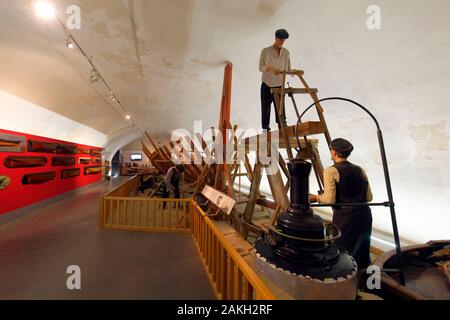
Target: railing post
x=191, y=215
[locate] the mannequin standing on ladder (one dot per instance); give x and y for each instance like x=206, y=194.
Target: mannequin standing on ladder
x=273, y=61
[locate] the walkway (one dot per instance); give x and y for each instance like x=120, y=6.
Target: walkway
x=36, y=250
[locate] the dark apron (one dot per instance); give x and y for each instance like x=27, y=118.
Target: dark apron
x=355, y=223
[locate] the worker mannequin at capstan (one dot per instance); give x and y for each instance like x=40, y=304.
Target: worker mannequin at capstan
x=345, y=182
x=173, y=181
x=272, y=62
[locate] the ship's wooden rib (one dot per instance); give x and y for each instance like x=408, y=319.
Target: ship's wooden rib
x=38, y=178
x=63, y=161
x=41, y=146
x=70, y=173
x=84, y=161
x=24, y=162
x=92, y=170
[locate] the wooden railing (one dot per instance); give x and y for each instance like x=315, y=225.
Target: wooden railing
x=230, y=275
x=144, y=214
x=126, y=188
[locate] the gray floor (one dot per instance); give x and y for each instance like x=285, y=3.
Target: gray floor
x=36, y=250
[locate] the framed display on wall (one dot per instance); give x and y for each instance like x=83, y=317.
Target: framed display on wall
x=35, y=168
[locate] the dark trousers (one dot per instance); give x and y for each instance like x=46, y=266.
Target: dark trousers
x=166, y=195
x=356, y=229
x=267, y=99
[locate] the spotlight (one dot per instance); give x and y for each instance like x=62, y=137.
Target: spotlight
x=112, y=97
x=44, y=9
x=94, y=75
x=128, y=117
x=69, y=43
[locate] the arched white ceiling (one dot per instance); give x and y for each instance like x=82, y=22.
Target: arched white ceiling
x=165, y=58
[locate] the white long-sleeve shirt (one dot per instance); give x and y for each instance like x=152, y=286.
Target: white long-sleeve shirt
x=270, y=58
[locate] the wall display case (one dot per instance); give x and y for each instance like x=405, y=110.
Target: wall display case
x=84, y=161
x=12, y=143
x=66, y=149
x=13, y=162
x=63, y=161
x=38, y=178
x=28, y=160
x=42, y=146
x=70, y=173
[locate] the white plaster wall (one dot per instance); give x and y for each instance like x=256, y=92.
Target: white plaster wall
x=401, y=73
x=23, y=116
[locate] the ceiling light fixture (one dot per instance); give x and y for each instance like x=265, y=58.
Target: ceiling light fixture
x=69, y=43
x=94, y=76
x=47, y=10
x=44, y=9
x=112, y=97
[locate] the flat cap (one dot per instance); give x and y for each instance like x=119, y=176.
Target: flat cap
x=282, y=34
x=341, y=145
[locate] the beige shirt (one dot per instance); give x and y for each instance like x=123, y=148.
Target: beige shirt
x=331, y=177
x=270, y=57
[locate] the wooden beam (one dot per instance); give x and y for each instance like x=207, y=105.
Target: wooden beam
x=254, y=191
x=303, y=129
x=293, y=90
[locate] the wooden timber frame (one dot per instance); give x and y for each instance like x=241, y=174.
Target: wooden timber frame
x=217, y=175
x=222, y=176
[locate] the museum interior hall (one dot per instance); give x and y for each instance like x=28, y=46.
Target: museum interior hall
x=224, y=150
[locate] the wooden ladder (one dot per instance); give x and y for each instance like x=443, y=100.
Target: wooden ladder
x=308, y=151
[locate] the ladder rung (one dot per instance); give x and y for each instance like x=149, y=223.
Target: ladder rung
x=294, y=90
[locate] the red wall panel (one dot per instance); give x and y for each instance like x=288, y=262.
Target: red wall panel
x=17, y=195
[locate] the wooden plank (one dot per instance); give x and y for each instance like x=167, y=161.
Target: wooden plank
x=132, y=212
x=239, y=284
x=303, y=129
x=293, y=90
x=278, y=189
x=230, y=278
x=254, y=189
x=248, y=290
x=170, y=204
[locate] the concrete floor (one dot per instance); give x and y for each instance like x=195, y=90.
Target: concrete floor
x=36, y=250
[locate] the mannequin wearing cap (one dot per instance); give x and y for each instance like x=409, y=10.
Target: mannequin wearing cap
x=173, y=181
x=273, y=60
x=345, y=182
